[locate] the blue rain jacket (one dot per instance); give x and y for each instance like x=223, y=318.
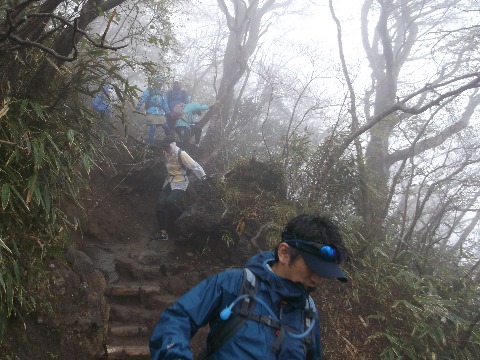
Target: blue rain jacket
x=176, y=96
x=254, y=340
x=155, y=102
x=101, y=102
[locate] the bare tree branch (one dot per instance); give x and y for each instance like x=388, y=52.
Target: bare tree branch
x=400, y=105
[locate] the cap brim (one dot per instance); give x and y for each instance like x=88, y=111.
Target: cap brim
x=323, y=268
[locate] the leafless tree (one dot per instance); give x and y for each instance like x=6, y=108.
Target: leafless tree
x=403, y=122
x=246, y=26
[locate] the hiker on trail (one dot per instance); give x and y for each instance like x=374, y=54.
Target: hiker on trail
x=263, y=311
x=102, y=107
x=176, y=95
x=186, y=124
x=156, y=107
x=170, y=201
x=101, y=103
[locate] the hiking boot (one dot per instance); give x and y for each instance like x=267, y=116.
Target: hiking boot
x=160, y=236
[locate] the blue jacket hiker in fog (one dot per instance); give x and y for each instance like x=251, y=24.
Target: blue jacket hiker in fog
x=186, y=124
x=276, y=318
x=176, y=95
x=156, y=107
x=102, y=102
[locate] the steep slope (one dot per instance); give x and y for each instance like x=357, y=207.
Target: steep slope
x=143, y=276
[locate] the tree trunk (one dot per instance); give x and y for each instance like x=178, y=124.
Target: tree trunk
x=245, y=25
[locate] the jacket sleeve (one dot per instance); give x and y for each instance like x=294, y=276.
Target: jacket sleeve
x=142, y=100
x=96, y=102
x=192, y=165
x=165, y=104
x=185, y=97
x=171, y=336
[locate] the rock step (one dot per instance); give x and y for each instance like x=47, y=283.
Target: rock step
x=128, y=330
x=138, y=352
x=131, y=290
x=128, y=314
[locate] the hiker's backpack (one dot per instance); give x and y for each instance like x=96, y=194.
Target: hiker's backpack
x=154, y=94
x=229, y=327
x=176, y=96
x=182, y=165
x=177, y=111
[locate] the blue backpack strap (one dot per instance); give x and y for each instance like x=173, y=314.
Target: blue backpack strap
x=228, y=328
x=243, y=312
x=308, y=316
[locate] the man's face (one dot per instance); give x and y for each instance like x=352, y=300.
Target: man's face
x=295, y=269
x=301, y=273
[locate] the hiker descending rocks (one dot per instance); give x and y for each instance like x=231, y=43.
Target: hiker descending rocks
x=170, y=201
x=156, y=107
x=263, y=311
x=186, y=124
x=102, y=102
x=176, y=95
x=102, y=107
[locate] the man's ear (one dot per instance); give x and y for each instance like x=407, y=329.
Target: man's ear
x=283, y=253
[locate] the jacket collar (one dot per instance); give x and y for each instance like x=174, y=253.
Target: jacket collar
x=286, y=289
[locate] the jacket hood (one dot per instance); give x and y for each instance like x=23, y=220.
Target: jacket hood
x=286, y=289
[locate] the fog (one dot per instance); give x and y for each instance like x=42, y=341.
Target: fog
x=369, y=108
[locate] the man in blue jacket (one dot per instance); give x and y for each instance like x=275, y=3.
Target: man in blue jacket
x=176, y=95
x=101, y=103
x=156, y=107
x=276, y=318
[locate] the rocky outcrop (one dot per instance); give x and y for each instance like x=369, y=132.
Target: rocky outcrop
x=72, y=322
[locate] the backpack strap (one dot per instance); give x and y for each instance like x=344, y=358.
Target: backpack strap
x=149, y=98
x=182, y=165
x=308, y=316
x=179, y=156
x=228, y=328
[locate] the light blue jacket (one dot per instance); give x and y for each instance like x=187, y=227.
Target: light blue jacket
x=188, y=117
x=155, y=102
x=254, y=340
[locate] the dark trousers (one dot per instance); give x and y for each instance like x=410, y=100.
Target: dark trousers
x=184, y=133
x=169, y=207
x=171, y=124
x=197, y=132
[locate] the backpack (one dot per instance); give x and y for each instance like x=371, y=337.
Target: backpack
x=228, y=328
x=182, y=165
x=151, y=93
x=177, y=111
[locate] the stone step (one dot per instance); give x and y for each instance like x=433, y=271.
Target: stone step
x=128, y=330
x=142, y=267
x=128, y=314
x=138, y=352
x=131, y=290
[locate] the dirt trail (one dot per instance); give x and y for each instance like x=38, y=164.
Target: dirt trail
x=143, y=276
